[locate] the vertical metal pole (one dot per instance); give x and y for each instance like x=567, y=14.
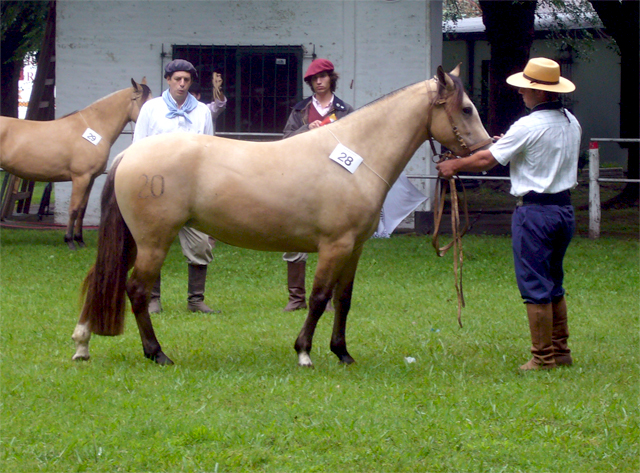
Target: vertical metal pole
x=594, y=190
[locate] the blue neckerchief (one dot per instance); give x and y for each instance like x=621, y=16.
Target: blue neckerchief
x=187, y=107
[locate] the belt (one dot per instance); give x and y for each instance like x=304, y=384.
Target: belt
x=534, y=198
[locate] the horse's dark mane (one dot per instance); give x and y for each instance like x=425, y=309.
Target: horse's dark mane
x=390, y=94
x=69, y=114
x=146, y=91
x=454, y=103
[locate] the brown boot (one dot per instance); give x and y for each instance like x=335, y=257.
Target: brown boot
x=560, y=334
x=155, y=306
x=295, y=282
x=195, y=296
x=541, y=327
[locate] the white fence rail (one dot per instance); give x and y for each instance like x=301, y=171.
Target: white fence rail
x=595, y=180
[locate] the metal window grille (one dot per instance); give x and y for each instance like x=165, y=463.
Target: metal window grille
x=261, y=84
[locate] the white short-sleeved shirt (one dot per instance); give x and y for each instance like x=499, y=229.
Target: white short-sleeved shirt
x=543, y=150
x=153, y=120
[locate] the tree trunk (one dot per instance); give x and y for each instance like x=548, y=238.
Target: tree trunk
x=621, y=21
x=509, y=27
x=10, y=73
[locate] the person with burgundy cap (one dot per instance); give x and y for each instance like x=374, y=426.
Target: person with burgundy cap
x=176, y=110
x=542, y=149
x=306, y=115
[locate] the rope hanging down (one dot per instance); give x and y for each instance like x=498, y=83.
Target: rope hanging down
x=456, y=243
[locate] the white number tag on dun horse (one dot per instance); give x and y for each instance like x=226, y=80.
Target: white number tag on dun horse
x=346, y=158
x=91, y=136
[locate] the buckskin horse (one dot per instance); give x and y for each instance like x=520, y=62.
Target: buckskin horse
x=242, y=194
x=68, y=149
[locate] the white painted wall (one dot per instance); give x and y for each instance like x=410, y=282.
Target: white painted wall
x=377, y=46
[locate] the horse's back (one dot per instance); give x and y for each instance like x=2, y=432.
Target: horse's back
x=47, y=151
x=265, y=196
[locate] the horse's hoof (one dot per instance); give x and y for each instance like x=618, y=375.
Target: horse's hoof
x=77, y=357
x=304, y=360
x=346, y=359
x=161, y=359
x=71, y=245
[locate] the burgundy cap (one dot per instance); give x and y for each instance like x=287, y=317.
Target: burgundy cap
x=318, y=66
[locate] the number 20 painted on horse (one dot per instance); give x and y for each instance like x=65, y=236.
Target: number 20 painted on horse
x=240, y=193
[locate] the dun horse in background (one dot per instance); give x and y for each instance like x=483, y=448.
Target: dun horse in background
x=289, y=195
x=72, y=148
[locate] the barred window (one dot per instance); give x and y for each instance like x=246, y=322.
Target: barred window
x=261, y=84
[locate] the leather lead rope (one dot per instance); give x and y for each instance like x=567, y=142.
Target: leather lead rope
x=456, y=232
x=439, y=201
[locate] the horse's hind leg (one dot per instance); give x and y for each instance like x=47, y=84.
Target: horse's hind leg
x=77, y=234
x=145, y=273
x=81, y=335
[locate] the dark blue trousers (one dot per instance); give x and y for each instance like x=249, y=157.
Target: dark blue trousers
x=540, y=237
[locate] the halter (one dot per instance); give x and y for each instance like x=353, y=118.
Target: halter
x=448, y=154
x=439, y=199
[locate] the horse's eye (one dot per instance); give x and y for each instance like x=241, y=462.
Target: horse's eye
x=467, y=110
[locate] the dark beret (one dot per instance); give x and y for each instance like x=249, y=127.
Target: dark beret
x=180, y=65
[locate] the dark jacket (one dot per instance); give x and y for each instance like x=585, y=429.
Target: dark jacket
x=298, y=121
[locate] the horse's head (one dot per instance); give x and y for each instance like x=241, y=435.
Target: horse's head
x=139, y=95
x=454, y=120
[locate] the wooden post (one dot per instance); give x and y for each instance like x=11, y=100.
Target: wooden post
x=594, y=190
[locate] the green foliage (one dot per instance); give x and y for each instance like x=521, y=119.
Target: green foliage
x=559, y=17
x=235, y=401
x=22, y=26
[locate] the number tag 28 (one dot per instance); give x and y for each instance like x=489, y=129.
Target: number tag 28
x=346, y=158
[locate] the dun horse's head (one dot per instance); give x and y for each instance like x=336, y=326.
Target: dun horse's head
x=139, y=95
x=454, y=120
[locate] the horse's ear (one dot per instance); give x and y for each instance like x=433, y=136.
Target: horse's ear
x=144, y=79
x=444, y=79
x=456, y=70
x=133, y=83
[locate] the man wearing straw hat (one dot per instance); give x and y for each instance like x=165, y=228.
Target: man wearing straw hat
x=542, y=149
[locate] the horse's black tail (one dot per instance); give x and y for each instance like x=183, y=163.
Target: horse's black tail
x=104, y=288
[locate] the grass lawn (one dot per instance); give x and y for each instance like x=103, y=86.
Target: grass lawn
x=235, y=401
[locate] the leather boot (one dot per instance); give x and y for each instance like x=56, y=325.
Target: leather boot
x=155, y=306
x=195, y=296
x=541, y=327
x=295, y=282
x=560, y=334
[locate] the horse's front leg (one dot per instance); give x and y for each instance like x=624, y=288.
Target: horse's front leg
x=78, y=186
x=139, y=292
x=320, y=295
x=331, y=260
x=342, y=303
x=77, y=234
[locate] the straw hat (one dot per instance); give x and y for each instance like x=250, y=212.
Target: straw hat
x=542, y=74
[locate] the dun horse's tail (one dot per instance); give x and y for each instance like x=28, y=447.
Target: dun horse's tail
x=104, y=287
